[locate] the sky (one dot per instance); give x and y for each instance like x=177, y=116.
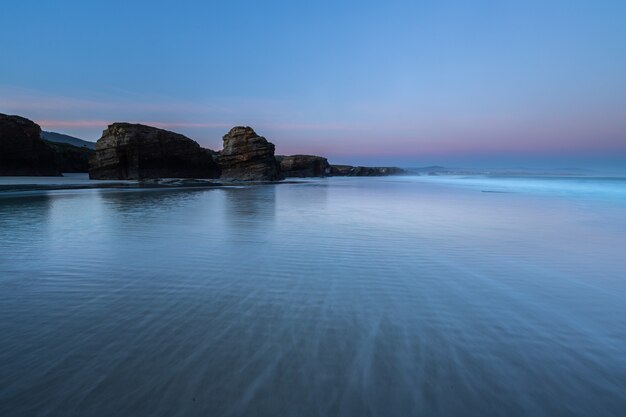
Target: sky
x=409, y=83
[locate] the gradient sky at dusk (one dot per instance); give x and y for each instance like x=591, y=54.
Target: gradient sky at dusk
x=464, y=83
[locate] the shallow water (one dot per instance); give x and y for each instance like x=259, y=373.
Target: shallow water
x=336, y=297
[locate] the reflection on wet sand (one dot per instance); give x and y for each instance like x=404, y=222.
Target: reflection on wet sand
x=250, y=203
x=338, y=297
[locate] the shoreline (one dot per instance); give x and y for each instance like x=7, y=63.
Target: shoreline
x=22, y=186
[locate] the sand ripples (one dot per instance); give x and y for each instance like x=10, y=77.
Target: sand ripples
x=339, y=297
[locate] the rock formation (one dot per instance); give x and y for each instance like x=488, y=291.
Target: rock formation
x=70, y=158
x=22, y=152
x=248, y=157
x=350, y=171
x=303, y=166
x=134, y=151
x=340, y=170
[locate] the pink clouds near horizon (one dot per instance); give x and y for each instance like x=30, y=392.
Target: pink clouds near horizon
x=369, y=131
x=102, y=123
x=344, y=141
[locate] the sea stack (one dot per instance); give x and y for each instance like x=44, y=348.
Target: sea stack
x=133, y=151
x=22, y=152
x=248, y=157
x=302, y=166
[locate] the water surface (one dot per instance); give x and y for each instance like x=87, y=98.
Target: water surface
x=434, y=296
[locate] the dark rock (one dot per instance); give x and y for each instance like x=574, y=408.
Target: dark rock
x=22, y=152
x=134, y=151
x=340, y=170
x=350, y=171
x=303, y=166
x=248, y=157
x=69, y=158
x=376, y=171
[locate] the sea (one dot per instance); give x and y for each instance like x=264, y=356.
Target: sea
x=450, y=295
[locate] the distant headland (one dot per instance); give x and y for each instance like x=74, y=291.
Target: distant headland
x=128, y=151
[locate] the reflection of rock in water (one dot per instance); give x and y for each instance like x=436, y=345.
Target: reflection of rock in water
x=23, y=211
x=306, y=195
x=147, y=200
x=152, y=209
x=250, y=206
x=175, y=213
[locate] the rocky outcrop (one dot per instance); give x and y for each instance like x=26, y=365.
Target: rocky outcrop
x=350, y=171
x=340, y=170
x=303, y=166
x=22, y=152
x=248, y=157
x=70, y=158
x=134, y=151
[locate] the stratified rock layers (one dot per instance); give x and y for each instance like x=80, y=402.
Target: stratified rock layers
x=302, y=166
x=134, y=151
x=22, y=152
x=350, y=171
x=248, y=157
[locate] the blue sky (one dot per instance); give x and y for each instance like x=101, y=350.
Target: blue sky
x=406, y=82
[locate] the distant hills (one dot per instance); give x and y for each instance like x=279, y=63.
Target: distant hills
x=61, y=138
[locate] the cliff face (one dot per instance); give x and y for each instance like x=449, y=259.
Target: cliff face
x=22, y=152
x=350, y=171
x=303, y=166
x=134, y=151
x=248, y=157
